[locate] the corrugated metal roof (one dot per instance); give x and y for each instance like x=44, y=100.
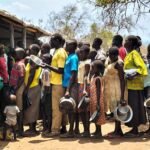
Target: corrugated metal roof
x=14, y=19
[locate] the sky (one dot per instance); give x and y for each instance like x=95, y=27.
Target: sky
x=37, y=9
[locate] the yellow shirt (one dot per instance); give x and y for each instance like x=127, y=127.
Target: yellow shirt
x=134, y=61
x=35, y=81
x=58, y=61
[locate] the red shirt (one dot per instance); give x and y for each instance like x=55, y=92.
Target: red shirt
x=3, y=69
x=122, y=53
x=17, y=72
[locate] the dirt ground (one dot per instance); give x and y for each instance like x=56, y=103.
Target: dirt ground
x=39, y=143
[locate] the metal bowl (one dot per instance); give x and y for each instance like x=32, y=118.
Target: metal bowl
x=94, y=117
x=36, y=60
x=121, y=115
x=84, y=102
x=67, y=104
x=147, y=103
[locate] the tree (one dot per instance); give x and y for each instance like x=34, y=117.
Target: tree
x=121, y=13
x=68, y=22
x=97, y=31
x=40, y=23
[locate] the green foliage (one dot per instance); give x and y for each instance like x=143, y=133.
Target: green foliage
x=104, y=2
x=104, y=34
x=121, y=14
x=68, y=22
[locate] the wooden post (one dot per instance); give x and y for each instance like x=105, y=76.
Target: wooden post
x=24, y=38
x=12, y=40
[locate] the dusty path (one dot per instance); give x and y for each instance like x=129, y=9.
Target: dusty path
x=39, y=143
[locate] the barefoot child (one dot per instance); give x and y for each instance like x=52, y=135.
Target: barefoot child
x=16, y=83
x=11, y=111
x=46, y=103
x=96, y=96
x=84, y=66
x=114, y=87
x=70, y=82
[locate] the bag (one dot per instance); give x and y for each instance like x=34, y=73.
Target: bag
x=26, y=102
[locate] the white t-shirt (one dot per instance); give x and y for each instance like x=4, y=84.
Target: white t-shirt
x=101, y=54
x=11, y=115
x=81, y=70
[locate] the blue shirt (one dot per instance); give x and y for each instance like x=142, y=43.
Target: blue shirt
x=70, y=65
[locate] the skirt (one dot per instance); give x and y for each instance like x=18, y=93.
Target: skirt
x=32, y=113
x=136, y=101
x=19, y=99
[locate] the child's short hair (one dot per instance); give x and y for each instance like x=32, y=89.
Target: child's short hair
x=85, y=48
x=114, y=51
x=98, y=41
x=117, y=40
x=58, y=37
x=92, y=54
x=35, y=48
x=73, y=41
x=46, y=46
x=99, y=64
x=12, y=99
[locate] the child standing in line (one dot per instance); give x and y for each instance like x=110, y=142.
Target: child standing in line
x=46, y=103
x=11, y=111
x=16, y=83
x=83, y=70
x=70, y=82
x=96, y=96
x=114, y=91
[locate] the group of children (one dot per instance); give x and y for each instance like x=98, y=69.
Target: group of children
x=33, y=88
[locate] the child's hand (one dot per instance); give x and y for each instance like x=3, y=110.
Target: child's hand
x=43, y=65
x=130, y=77
x=85, y=93
x=67, y=94
x=123, y=102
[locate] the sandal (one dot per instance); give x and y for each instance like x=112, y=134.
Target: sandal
x=96, y=136
x=67, y=135
x=52, y=134
x=130, y=135
x=144, y=134
x=84, y=135
x=113, y=135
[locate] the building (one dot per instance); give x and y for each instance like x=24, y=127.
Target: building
x=14, y=31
